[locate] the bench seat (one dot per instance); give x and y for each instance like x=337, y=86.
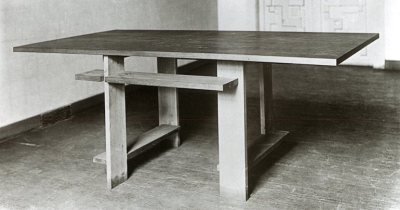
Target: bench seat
x=161, y=80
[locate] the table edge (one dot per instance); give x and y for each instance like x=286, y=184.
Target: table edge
x=357, y=49
x=195, y=56
x=209, y=56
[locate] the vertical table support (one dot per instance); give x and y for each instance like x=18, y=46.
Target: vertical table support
x=266, y=97
x=168, y=103
x=232, y=133
x=116, y=150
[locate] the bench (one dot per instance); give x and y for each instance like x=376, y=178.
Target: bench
x=154, y=136
x=161, y=80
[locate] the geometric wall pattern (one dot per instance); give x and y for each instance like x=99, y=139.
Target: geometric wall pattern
x=284, y=15
x=333, y=15
x=315, y=15
x=344, y=15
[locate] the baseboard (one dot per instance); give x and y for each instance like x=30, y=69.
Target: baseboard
x=392, y=65
x=86, y=103
x=66, y=112
x=20, y=127
x=50, y=117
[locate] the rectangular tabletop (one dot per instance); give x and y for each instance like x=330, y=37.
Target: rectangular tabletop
x=256, y=46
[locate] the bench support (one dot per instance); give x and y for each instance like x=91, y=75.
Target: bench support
x=143, y=142
x=235, y=155
x=168, y=103
x=266, y=103
x=232, y=133
x=116, y=153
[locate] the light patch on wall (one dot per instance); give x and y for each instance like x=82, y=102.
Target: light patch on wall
x=392, y=21
x=2, y=73
x=284, y=15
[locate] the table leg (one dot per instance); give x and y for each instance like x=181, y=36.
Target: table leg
x=116, y=150
x=269, y=138
x=266, y=103
x=232, y=133
x=168, y=103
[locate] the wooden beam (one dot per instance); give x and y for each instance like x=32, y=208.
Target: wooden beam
x=266, y=97
x=173, y=81
x=232, y=133
x=168, y=99
x=143, y=142
x=96, y=75
x=161, y=80
x=264, y=145
x=116, y=153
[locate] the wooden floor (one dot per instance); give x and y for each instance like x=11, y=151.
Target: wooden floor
x=343, y=151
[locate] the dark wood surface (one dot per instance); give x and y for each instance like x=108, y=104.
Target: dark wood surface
x=273, y=47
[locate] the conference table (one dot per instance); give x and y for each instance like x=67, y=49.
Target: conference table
x=235, y=52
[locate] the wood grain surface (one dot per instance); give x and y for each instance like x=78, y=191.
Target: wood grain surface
x=173, y=80
x=232, y=134
x=161, y=80
x=272, y=47
x=96, y=75
x=115, y=124
x=168, y=98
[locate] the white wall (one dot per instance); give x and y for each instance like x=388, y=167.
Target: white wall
x=31, y=83
x=241, y=15
x=238, y=15
x=392, y=30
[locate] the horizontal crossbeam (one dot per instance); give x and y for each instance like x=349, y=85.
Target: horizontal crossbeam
x=143, y=142
x=162, y=80
x=96, y=75
x=264, y=145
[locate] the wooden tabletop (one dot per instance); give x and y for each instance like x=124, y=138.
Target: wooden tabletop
x=273, y=47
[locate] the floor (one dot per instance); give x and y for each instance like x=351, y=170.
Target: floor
x=343, y=151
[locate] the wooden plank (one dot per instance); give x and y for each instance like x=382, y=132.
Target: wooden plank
x=256, y=46
x=264, y=145
x=168, y=99
x=151, y=138
x=96, y=75
x=144, y=142
x=266, y=97
x=173, y=81
x=232, y=134
x=116, y=153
